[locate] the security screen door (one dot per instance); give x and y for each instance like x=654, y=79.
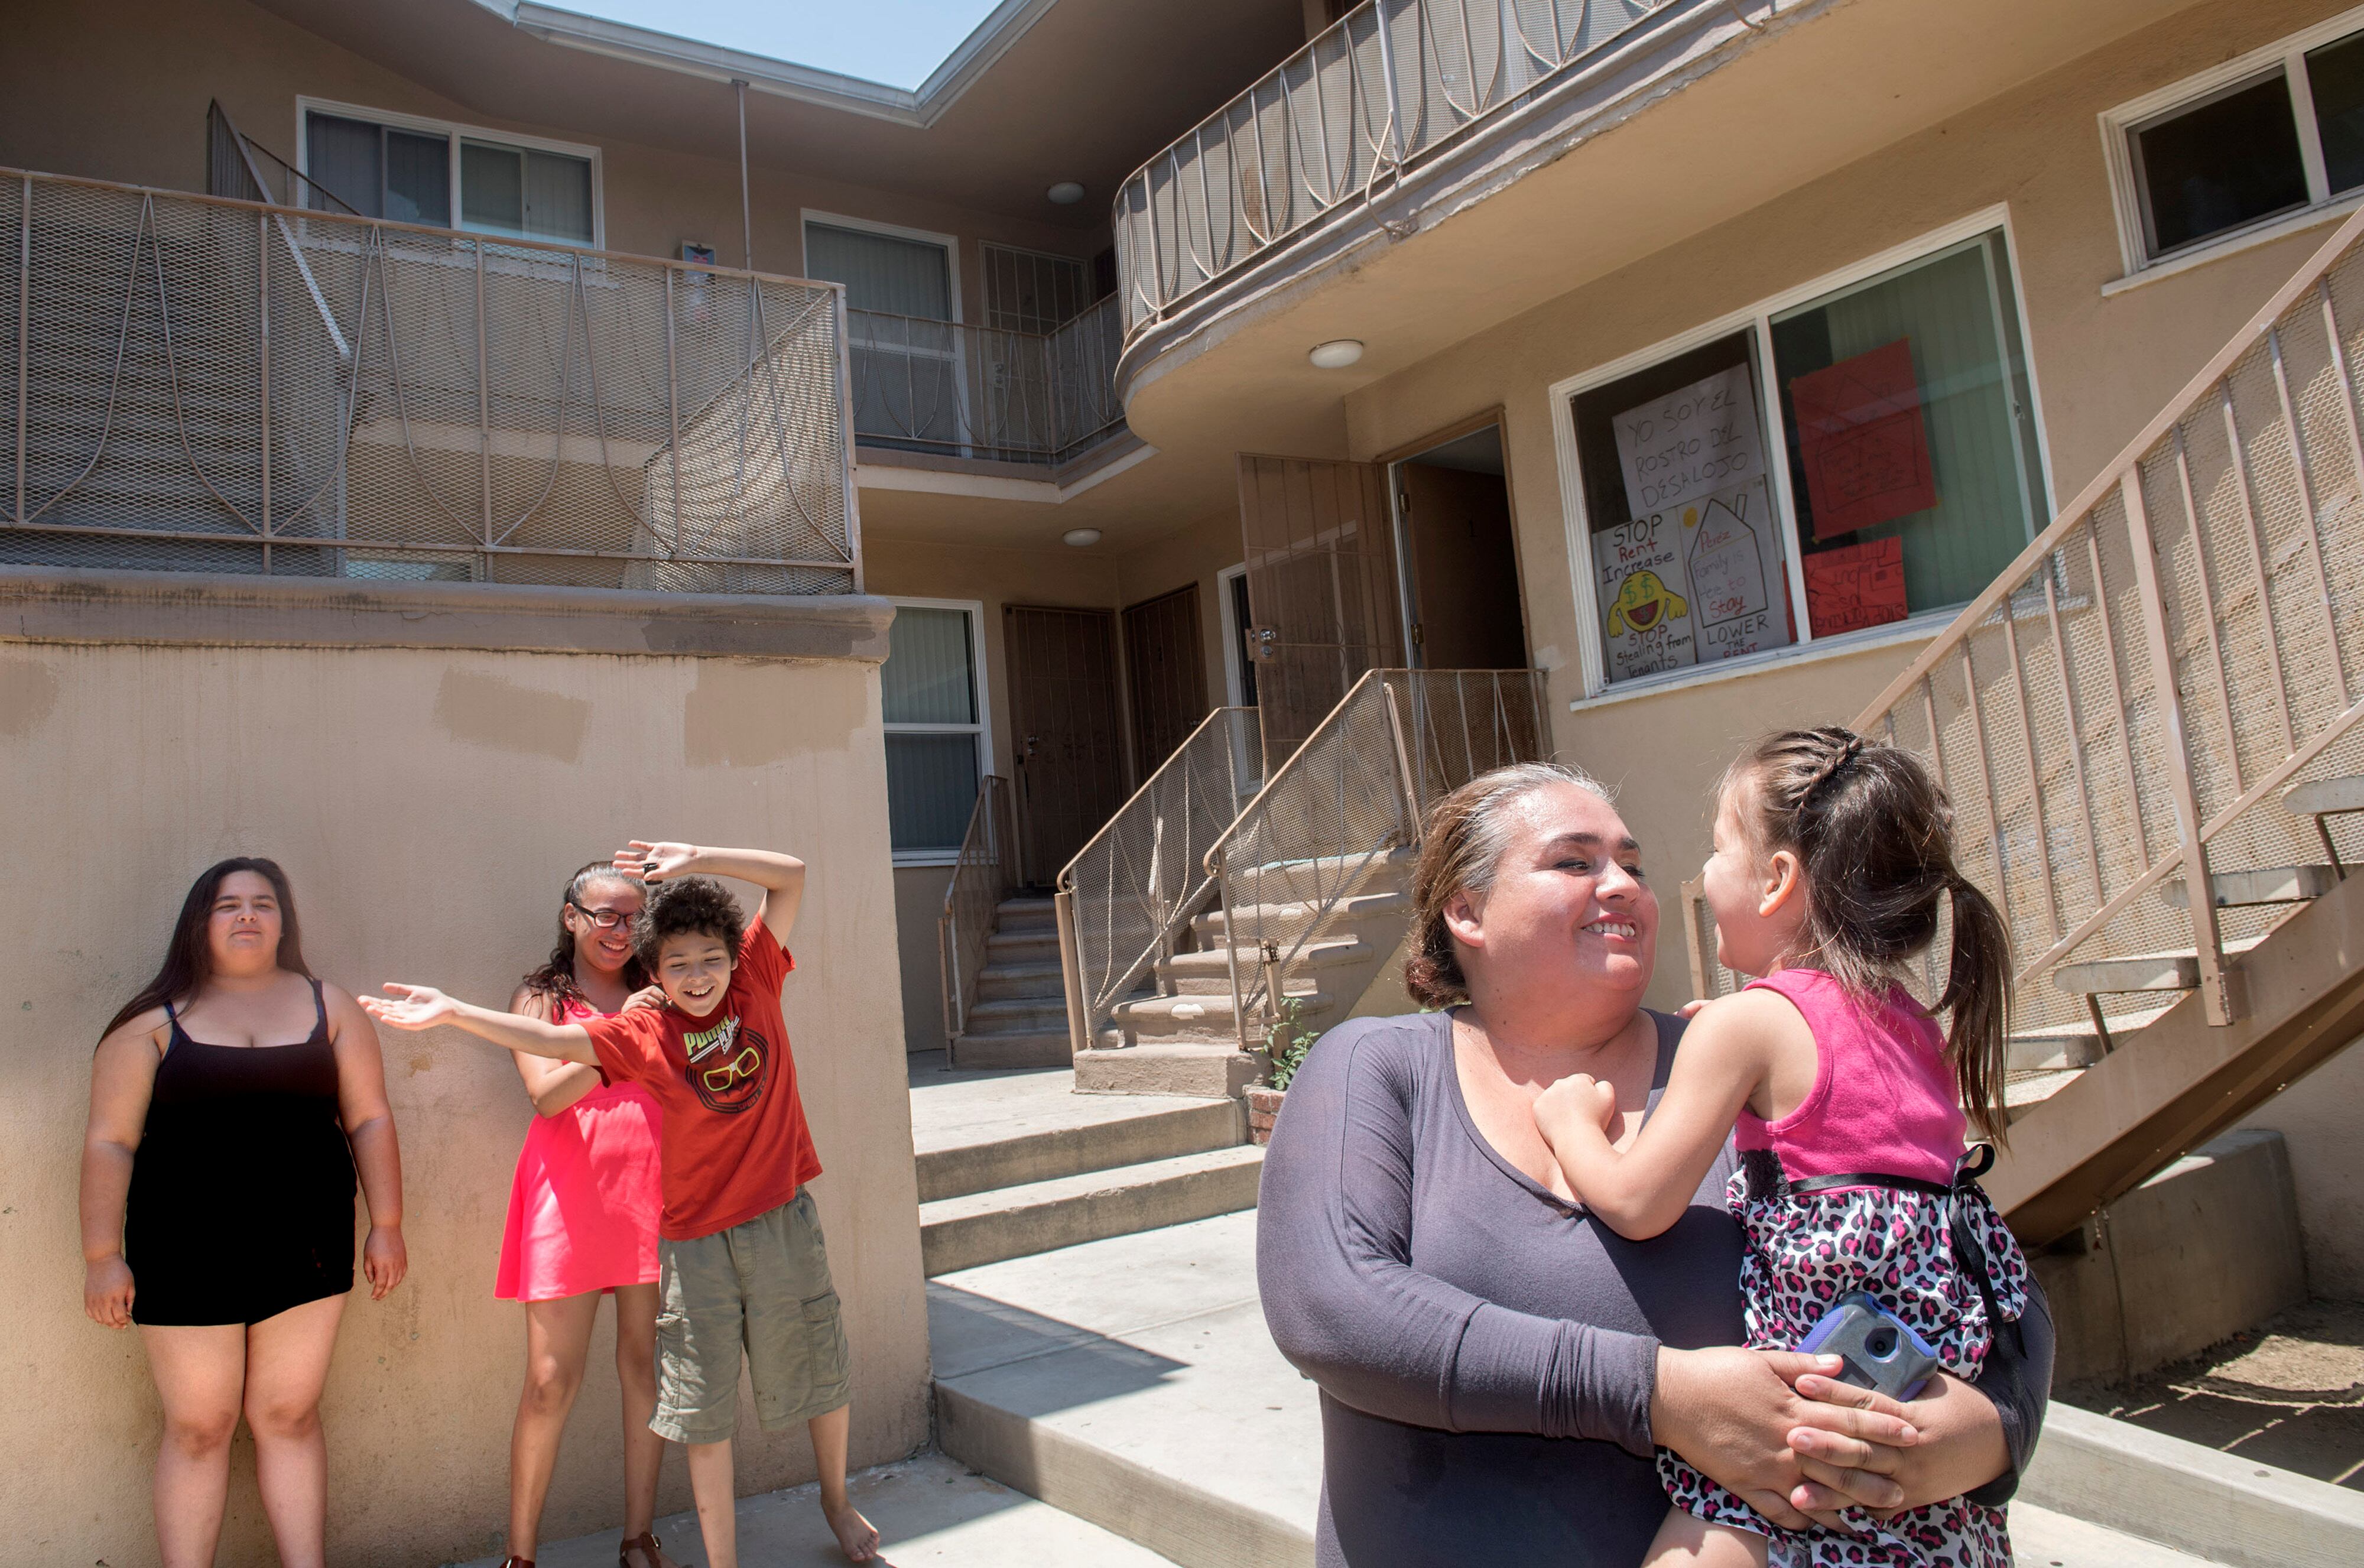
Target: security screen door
x=1321, y=582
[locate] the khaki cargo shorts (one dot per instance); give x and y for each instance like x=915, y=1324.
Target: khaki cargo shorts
x=762, y=1285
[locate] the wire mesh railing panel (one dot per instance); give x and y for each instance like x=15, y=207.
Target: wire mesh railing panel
x=984, y=874
x=1347, y=803
x=995, y=394
x=2117, y=718
x=425, y=404
x=1386, y=86
x=1131, y=890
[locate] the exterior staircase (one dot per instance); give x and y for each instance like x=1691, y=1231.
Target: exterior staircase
x=1019, y=1015
x=2149, y=726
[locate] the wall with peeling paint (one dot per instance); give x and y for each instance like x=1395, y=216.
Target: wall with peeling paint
x=428, y=804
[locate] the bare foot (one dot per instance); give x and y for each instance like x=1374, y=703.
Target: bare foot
x=856, y=1536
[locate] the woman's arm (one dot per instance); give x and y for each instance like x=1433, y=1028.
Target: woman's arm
x=122, y=1077
x=552, y=1086
x=423, y=1008
x=1333, y=1237
x=782, y=877
x=369, y=1127
x=1643, y=1189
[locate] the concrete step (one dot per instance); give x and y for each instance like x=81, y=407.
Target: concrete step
x=1042, y=1217
x=1024, y=946
x=1019, y=1015
x=1025, y=915
x=1270, y=920
x=2265, y=884
x=2325, y=797
x=2077, y=1044
x=1013, y=1049
x=1028, y=981
x=2141, y=972
x=974, y=1131
x=1205, y=1015
x=930, y=1508
x=1171, y=1067
x=1325, y=877
x=1131, y=1382
x=1210, y=974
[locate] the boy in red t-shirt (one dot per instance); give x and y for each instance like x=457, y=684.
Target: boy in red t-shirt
x=742, y=1258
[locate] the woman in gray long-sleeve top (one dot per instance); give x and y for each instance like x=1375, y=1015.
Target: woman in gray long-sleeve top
x=1494, y=1365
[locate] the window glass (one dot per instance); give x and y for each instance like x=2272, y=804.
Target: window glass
x=2335, y=74
x=931, y=790
x=882, y=271
x=1687, y=554
x=2229, y=160
x=1910, y=437
x=341, y=157
x=928, y=678
x=557, y=197
x=417, y=178
x=492, y=187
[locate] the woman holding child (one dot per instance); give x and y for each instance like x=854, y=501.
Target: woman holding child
x=582, y=1217
x=231, y=1102
x=1498, y=1363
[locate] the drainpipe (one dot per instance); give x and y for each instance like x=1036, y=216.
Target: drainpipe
x=746, y=210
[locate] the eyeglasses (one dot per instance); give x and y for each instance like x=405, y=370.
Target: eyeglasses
x=606, y=920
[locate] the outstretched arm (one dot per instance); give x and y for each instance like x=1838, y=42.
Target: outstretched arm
x=782, y=877
x=424, y=1008
x=1644, y=1188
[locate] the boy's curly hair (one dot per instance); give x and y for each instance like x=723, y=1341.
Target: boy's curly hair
x=693, y=903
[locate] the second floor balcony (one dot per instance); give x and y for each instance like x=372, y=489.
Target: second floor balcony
x=204, y=384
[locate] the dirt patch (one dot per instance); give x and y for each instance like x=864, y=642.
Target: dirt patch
x=2289, y=1393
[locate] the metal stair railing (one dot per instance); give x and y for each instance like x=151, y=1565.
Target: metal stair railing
x=2131, y=696
x=1349, y=798
x=984, y=874
x=1126, y=895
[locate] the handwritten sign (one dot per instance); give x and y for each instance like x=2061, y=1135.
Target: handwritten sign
x=1862, y=442
x=1735, y=574
x=1854, y=586
x=1644, y=595
x=1679, y=450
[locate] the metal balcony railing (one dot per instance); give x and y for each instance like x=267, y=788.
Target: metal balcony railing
x=986, y=393
x=1348, y=800
x=205, y=383
x=2128, y=701
x=1384, y=89
x=1126, y=897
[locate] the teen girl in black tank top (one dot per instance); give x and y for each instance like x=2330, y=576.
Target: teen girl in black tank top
x=241, y=1200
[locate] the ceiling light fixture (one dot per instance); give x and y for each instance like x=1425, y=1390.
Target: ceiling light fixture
x=1336, y=354
x=1067, y=193
x=1081, y=537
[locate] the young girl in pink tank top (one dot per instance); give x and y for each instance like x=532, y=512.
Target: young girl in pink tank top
x=1833, y=863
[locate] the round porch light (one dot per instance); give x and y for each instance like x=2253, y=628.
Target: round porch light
x=1067, y=193
x=1336, y=354
x=1081, y=537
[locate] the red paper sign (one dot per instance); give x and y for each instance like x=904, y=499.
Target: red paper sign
x=1854, y=586
x=1865, y=449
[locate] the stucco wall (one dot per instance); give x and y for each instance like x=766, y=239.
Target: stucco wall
x=117, y=90
x=428, y=804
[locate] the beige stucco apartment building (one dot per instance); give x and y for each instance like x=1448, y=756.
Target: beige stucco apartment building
x=1514, y=297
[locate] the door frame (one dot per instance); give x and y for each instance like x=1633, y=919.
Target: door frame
x=1406, y=573
x=1120, y=684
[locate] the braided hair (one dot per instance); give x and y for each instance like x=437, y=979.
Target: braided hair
x=554, y=981
x=1873, y=832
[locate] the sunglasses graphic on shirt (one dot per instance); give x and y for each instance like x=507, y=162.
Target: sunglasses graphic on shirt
x=721, y=1080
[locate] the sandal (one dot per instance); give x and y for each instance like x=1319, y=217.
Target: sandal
x=513, y=1560
x=645, y=1542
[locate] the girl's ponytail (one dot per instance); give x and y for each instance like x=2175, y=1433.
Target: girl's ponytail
x=1978, y=991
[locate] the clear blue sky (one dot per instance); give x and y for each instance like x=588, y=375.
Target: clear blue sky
x=894, y=41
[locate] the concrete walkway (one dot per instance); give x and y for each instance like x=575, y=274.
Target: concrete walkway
x=929, y=1509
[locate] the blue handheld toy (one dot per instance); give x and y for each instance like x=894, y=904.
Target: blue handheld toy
x=1880, y=1351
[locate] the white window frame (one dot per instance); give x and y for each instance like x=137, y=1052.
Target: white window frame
x=982, y=728
x=453, y=132
x=2288, y=56
x=1756, y=320
x=807, y=217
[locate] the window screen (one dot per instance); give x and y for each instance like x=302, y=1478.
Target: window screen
x=2228, y=161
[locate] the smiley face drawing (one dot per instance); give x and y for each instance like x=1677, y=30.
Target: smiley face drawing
x=1643, y=601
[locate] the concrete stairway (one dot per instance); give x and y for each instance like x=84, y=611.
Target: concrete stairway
x=1019, y=1018
x=1016, y=1163
x=1184, y=1038
x=1131, y=1383
x=2094, y=1114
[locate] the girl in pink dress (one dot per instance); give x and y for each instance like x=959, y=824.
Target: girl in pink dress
x=583, y=1219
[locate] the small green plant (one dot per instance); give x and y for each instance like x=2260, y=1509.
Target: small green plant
x=1286, y=1043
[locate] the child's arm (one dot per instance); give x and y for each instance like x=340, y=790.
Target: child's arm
x=553, y=1085
x=782, y=877
x=1645, y=1189
x=423, y=1008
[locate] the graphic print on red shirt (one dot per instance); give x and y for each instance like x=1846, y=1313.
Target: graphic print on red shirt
x=736, y=1145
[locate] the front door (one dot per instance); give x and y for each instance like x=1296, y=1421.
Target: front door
x=1167, y=671
x=1464, y=567
x=1069, y=734
x=1322, y=583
